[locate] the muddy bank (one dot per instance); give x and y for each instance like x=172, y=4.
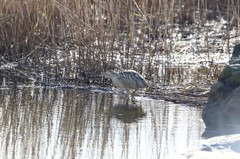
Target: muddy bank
x=191, y=97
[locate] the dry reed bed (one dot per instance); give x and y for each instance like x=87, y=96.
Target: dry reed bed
x=75, y=41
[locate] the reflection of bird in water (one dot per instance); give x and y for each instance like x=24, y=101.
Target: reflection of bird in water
x=128, y=114
x=127, y=80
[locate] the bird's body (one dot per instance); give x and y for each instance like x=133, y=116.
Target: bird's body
x=127, y=80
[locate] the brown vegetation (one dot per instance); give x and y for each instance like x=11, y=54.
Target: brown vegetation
x=77, y=40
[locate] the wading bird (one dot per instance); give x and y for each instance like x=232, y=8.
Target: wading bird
x=127, y=80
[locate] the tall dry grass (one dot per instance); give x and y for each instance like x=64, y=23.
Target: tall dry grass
x=52, y=40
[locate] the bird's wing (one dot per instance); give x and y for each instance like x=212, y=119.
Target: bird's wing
x=131, y=80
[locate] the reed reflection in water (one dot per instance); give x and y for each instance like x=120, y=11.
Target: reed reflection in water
x=72, y=123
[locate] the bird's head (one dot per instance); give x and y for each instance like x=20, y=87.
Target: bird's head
x=110, y=74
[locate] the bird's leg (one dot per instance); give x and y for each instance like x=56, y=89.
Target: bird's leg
x=126, y=93
x=127, y=101
x=134, y=92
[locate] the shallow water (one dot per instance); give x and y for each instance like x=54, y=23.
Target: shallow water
x=72, y=123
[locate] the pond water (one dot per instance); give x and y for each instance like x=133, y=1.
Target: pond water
x=44, y=123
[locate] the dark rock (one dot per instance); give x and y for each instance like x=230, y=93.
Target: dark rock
x=236, y=51
x=222, y=111
x=235, y=59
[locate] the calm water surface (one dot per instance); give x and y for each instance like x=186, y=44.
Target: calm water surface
x=72, y=123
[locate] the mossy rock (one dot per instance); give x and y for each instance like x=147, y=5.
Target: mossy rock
x=226, y=72
x=230, y=75
x=235, y=78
